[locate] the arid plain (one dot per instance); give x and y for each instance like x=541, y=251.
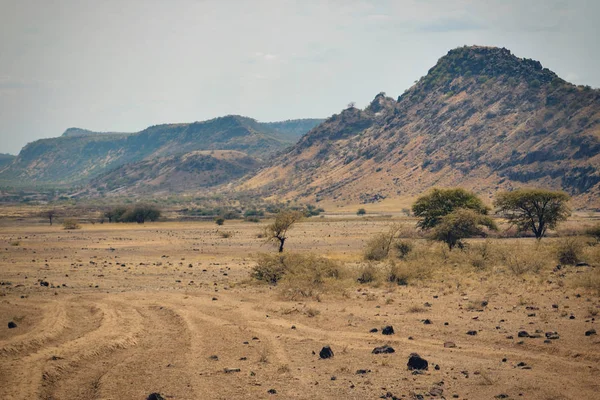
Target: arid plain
x=120, y=311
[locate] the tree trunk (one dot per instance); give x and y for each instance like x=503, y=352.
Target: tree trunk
x=281, y=242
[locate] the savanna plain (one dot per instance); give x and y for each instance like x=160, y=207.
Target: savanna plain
x=120, y=311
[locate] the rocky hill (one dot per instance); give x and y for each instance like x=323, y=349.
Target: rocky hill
x=79, y=155
x=481, y=119
x=6, y=159
x=178, y=173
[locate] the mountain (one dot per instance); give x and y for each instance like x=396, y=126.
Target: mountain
x=6, y=159
x=178, y=173
x=79, y=155
x=481, y=119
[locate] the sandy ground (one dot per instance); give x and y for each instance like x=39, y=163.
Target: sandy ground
x=168, y=307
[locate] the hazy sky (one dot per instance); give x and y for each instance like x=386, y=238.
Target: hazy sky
x=122, y=65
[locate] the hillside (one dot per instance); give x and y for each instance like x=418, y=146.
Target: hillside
x=481, y=118
x=79, y=155
x=179, y=173
x=6, y=159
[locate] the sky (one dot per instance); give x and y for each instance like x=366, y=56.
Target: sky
x=123, y=65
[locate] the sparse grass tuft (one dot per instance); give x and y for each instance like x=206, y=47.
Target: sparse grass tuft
x=70, y=224
x=569, y=250
x=225, y=234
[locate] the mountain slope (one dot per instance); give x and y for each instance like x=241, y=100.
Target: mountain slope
x=6, y=159
x=481, y=118
x=79, y=155
x=178, y=173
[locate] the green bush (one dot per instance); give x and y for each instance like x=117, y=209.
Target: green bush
x=219, y=221
x=594, y=232
x=361, y=211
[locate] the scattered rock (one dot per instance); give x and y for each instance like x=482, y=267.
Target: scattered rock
x=272, y=391
x=582, y=264
x=155, y=396
x=552, y=335
x=374, y=330
x=214, y=358
x=449, y=345
x=501, y=396
x=44, y=283
x=416, y=362
x=362, y=371
x=383, y=350
x=523, y=334
x=590, y=332
x=12, y=325
x=326, y=352
x=472, y=333
x=231, y=370
x=427, y=322
x=388, y=330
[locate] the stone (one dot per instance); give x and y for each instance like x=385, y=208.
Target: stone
x=523, y=334
x=427, y=322
x=590, y=332
x=272, y=391
x=362, y=371
x=582, y=264
x=374, y=330
x=326, y=352
x=383, y=350
x=415, y=362
x=155, y=396
x=472, y=333
x=11, y=325
x=44, y=283
x=552, y=335
x=449, y=345
x=388, y=330
x=231, y=370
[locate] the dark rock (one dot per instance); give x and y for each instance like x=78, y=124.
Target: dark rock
x=272, y=391
x=590, y=332
x=427, y=322
x=214, y=358
x=362, y=371
x=388, y=330
x=383, y=350
x=582, y=264
x=416, y=362
x=11, y=325
x=523, y=334
x=572, y=317
x=501, y=396
x=44, y=283
x=472, y=333
x=326, y=352
x=552, y=335
x=374, y=330
x=155, y=396
x=231, y=370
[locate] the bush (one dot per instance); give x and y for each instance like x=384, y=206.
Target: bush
x=594, y=232
x=568, y=251
x=378, y=247
x=220, y=221
x=295, y=267
x=367, y=273
x=520, y=263
x=225, y=234
x=361, y=211
x=70, y=224
x=403, y=248
x=139, y=213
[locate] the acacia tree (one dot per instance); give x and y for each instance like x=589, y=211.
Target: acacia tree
x=460, y=224
x=433, y=206
x=277, y=231
x=533, y=209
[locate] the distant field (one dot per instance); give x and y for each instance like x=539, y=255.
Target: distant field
x=170, y=307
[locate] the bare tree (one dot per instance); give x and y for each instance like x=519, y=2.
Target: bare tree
x=50, y=214
x=352, y=104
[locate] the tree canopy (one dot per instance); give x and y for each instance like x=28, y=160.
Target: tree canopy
x=533, y=210
x=460, y=224
x=433, y=206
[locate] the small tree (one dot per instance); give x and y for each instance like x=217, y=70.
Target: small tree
x=361, y=211
x=50, y=214
x=277, y=231
x=461, y=224
x=433, y=206
x=533, y=210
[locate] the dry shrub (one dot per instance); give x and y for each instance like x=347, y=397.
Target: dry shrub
x=402, y=248
x=589, y=280
x=70, y=224
x=594, y=232
x=569, y=251
x=225, y=234
x=379, y=246
x=368, y=273
x=299, y=275
x=408, y=271
x=519, y=263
